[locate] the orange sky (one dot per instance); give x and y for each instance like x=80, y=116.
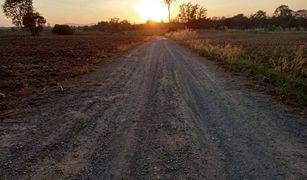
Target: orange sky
x=92, y=11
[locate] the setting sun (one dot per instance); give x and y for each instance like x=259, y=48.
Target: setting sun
x=151, y=10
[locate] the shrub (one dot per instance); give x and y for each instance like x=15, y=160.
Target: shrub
x=62, y=30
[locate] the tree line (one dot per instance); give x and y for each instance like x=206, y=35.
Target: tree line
x=190, y=15
x=195, y=16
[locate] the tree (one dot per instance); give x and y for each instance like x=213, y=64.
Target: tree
x=202, y=13
x=284, y=17
x=283, y=11
x=189, y=12
x=259, y=15
x=301, y=14
x=63, y=30
x=301, y=18
x=125, y=25
x=168, y=3
x=114, y=24
x=238, y=21
x=17, y=9
x=34, y=22
x=192, y=14
x=259, y=19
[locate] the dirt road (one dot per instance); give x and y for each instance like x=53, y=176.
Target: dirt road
x=157, y=113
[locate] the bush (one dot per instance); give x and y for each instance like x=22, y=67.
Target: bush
x=62, y=30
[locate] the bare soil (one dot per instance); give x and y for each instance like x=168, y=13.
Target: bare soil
x=160, y=112
x=30, y=65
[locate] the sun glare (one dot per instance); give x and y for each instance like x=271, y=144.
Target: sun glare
x=151, y=10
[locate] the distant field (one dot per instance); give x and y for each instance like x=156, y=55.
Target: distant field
x=255, y=37
x=32, y=64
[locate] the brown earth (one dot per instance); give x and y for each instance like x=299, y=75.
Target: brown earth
x=30, y=65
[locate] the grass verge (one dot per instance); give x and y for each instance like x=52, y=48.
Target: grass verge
x=291, y=89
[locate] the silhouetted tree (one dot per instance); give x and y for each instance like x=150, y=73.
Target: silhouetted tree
x=283, y=11
x=301, y=14
x=195, y=16
x=238, y=21
x=86, y=28
x=114, y=25
x=301, y=18
x=259, y=15
x=258, y=19
x=168, y=3
x=63, y=30
x=124, y=25
x=102, y=26
x=114, y=21
x=283, y=17
x=192, y=14
x=34, y=22
x=17, y=9
x=202, y=13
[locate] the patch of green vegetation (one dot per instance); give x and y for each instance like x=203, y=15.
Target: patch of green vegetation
x=288, y=88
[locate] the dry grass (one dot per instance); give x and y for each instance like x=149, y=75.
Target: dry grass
x=184, y=35
x=282, y=65
x=292, y=65
x=228, y=52
x=283, y=58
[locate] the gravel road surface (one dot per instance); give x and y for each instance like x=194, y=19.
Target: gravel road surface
x=159, y=112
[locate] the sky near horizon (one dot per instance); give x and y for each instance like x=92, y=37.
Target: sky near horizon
x=92, y=11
